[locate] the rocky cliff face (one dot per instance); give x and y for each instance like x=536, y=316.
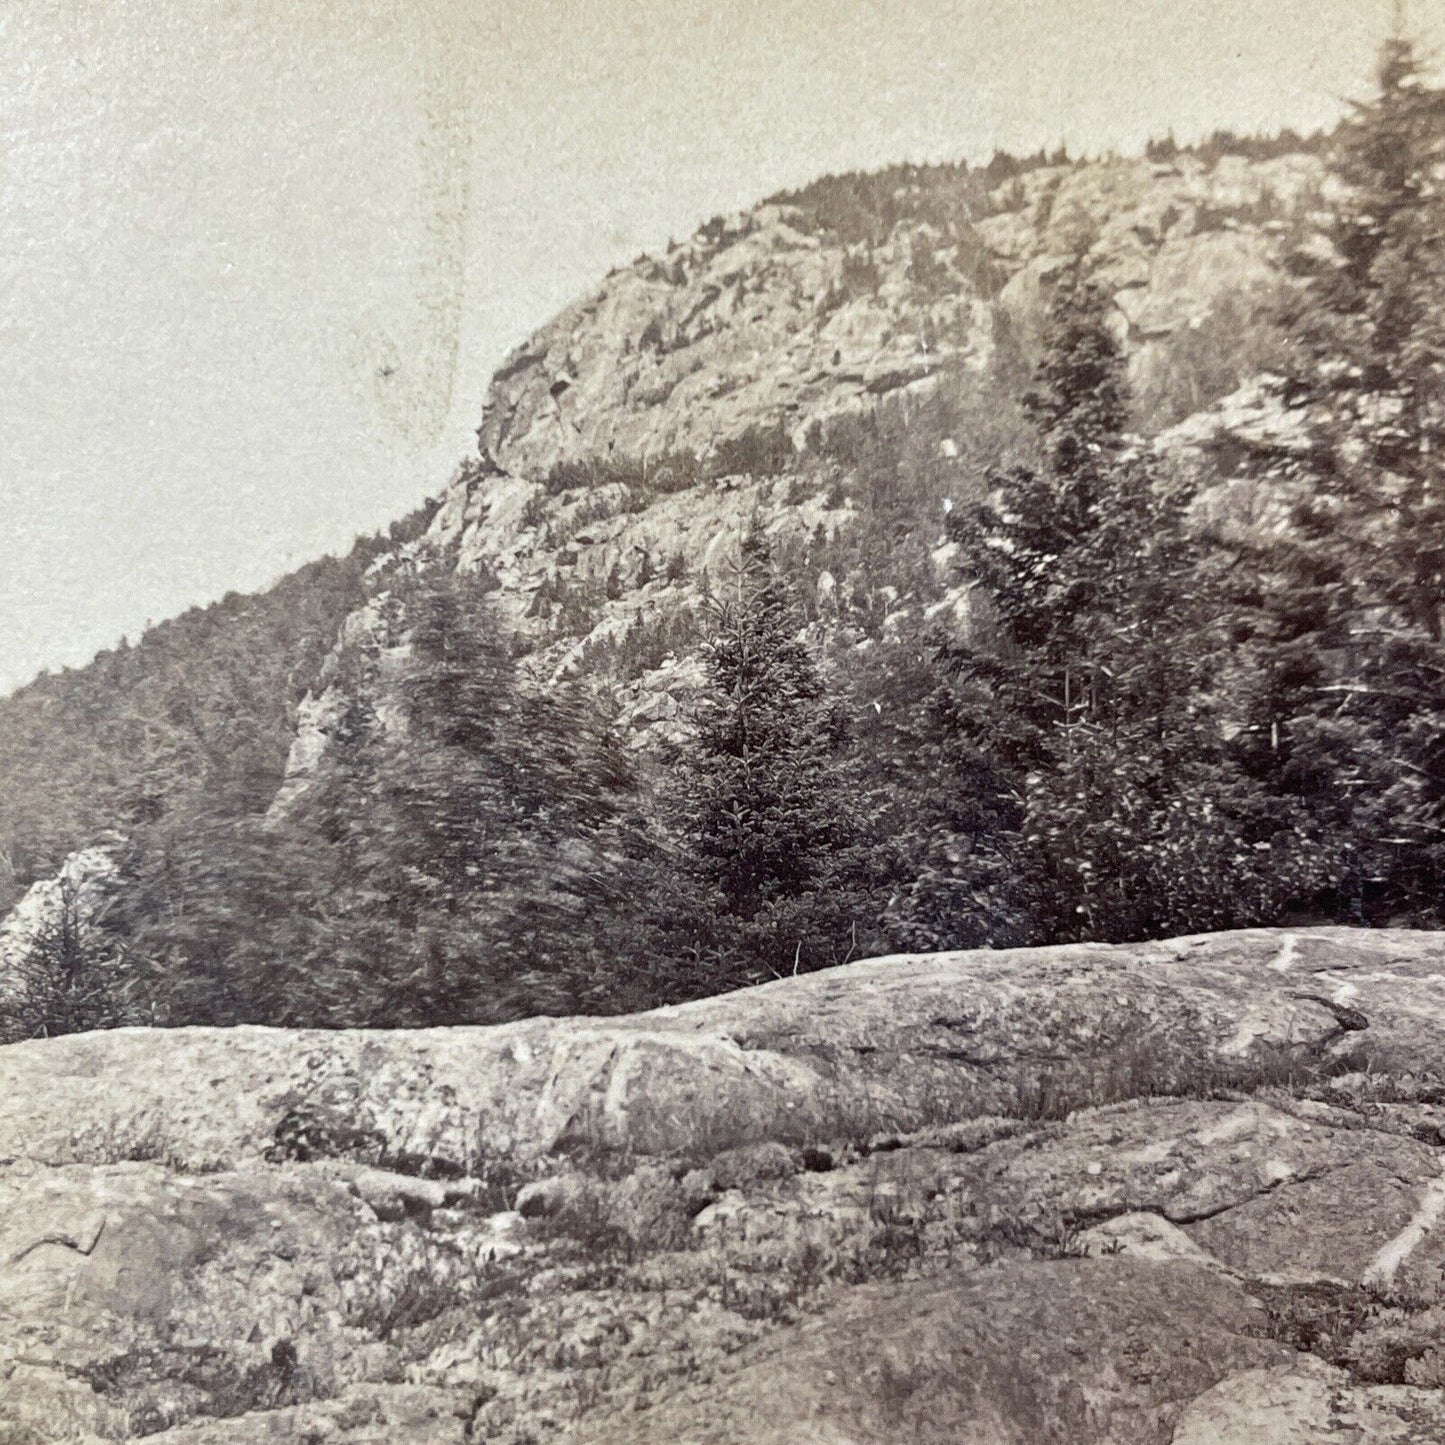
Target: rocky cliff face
x=769, y=318
x=1177, y=1192
x=627, y=445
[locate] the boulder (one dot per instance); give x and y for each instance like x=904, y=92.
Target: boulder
x=1309, y=1403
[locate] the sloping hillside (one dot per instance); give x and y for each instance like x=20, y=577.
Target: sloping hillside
x=202, y=707
x=496, y=755
x=647, y=423
x=1180, y=1192
x=914, y=561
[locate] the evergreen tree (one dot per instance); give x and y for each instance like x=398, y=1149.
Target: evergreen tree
x=1057, y=548
x=66, y=977
x=486, y=828
x=1094, y=690
x=949, y=804
x=1348, y=634
x=772, y=820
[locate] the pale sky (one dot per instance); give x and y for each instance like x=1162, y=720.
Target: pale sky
x=258, y=257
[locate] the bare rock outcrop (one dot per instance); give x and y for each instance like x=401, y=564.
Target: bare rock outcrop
x=626, y=445
x=764, y=320
x=1179, y=1191
x=51, y=912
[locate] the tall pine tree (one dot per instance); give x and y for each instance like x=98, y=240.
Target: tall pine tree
x=772, y=820
x=1350, y=629
x=1093, y=690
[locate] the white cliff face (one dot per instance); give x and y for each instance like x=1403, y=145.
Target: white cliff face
x=82, y=886
x=374, y=632
x=317, y=717
x=751, y=323
x=759, y=332
x=757, y=322
x=1167, y=240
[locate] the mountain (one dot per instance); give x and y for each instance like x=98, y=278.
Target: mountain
x=838, y=371
x=621, y=867
x=651, y=418
x=759, y=373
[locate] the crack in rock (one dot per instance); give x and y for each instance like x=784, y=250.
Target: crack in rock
x=1200, y=1216
x=83, y=1241
x=1350, y=1020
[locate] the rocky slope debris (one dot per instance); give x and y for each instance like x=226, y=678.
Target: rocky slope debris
x=1179, y=1191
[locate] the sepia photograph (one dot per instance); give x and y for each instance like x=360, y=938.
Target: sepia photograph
x=722, y=723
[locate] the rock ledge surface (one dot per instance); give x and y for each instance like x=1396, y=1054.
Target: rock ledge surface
x=1178, y=1192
